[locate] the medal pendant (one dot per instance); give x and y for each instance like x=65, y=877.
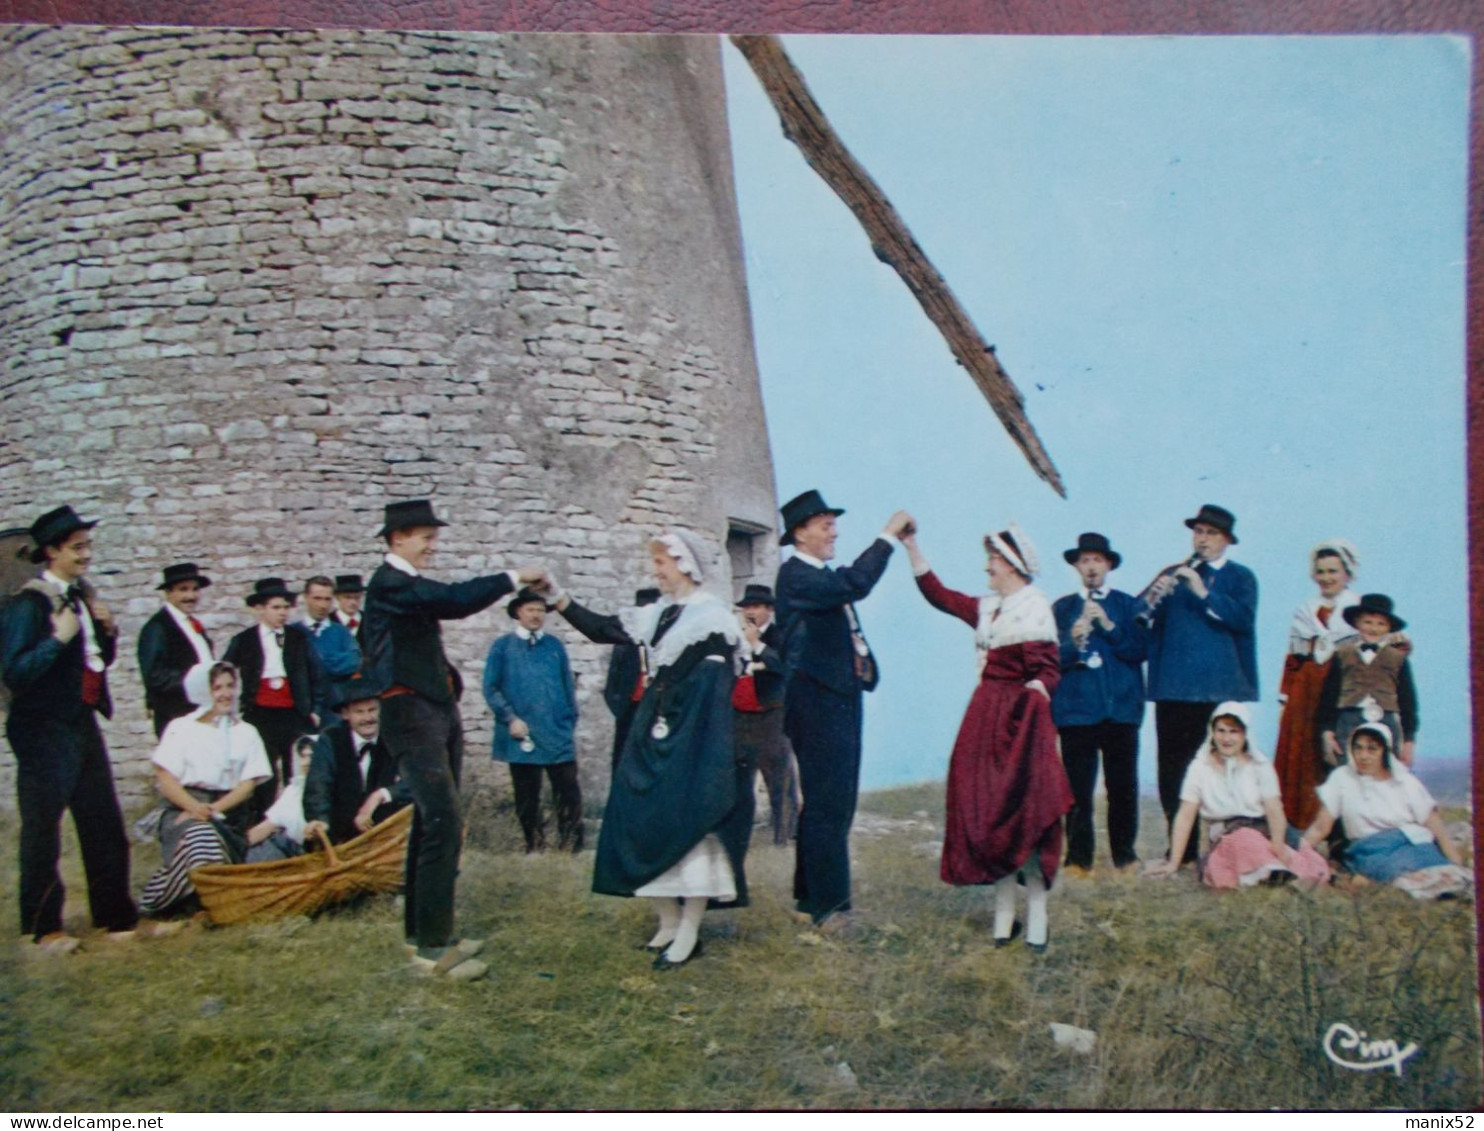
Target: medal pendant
x=660, y=730
x=1094, y=660
x=275, y=683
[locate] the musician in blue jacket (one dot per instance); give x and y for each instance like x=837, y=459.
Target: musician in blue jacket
x=1202, y=649
x=1099, y=703
x=827, y=665
x=420, y=723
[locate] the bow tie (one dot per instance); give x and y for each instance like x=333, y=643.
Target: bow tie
x=73, y=597
x=1369, y=647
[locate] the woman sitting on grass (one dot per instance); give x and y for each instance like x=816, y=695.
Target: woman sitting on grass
x=1395, y=831
x=1234, y=788
x=674, y=830
x=206, y=768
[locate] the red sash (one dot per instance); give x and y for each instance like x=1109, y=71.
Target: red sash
x=92, y=686
x=270, y=696
x=744, y=695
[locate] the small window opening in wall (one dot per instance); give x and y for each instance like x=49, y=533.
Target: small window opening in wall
x=747, y=543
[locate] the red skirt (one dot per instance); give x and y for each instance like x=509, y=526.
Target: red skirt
x=1007, y=790
x=1297, y=757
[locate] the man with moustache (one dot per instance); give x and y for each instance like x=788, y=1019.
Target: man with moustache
x=827, y=665
x=56, y=643
x=1202, y=648
x=172, y=646
x=420, y=722
x=352, y=780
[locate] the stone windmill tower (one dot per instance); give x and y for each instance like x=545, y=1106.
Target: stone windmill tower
x=253, y=285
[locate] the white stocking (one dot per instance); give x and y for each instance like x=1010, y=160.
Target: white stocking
x=1004, y=906
x=669, y=912
x=1037, y=929
x=692, y=908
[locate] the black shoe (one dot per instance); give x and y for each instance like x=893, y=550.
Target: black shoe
x=660, y=949
x=1040, y=947
x=1011, y=937
x=664, y=965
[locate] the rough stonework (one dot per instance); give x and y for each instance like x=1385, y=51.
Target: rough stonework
x=253, y=285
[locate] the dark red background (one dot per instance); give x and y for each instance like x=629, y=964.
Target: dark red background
x=1038, y=17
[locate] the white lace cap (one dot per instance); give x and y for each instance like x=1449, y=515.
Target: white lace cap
x=1342, y=548
x=687, y=550
x=1015, y=546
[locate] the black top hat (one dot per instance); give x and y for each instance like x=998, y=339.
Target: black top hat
x=183, y=571
x=646, y=596
x=408, y=512
x=524, y=597
x=756, y=595
x=53, y=527
x=799, y=510
x=1374, y=603
x=1093, y=543
x=349, y=583
x=266, y=588
x=1219, y=517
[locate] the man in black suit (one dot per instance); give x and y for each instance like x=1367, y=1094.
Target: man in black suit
x=172, y=644
x=57, y=642
x=349, y=593
x=624, y=685
x=757, y=699
x=827, y=665
x=281, y=681
x=420, y=721
x=352, y=780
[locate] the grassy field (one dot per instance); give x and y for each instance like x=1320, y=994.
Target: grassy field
x=1199, y=1000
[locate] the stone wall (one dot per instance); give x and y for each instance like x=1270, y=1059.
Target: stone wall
x=253, y=285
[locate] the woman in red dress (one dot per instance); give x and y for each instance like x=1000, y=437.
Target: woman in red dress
x=1007, y=791
x=1317, y=627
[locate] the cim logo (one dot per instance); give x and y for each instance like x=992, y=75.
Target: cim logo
x=1369, y=1055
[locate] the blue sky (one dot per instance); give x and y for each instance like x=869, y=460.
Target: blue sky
x=1223, y=270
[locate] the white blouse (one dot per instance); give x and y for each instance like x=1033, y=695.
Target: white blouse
x=208, y=756
x=1236, y=788
x=1368, y=805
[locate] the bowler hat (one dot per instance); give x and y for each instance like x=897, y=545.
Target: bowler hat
x=54, y=527
x=1374, y=603
x=183, y=571
x=799, y=510
x=1219, y=517
x=408, y=512
x=266, y=588
x=347, y=691
x=349, y=583
x=524, y=597
x=646, y=596
x=756, y=595
x=1093, y=543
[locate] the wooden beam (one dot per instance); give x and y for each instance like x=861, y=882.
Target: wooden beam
x=805, y=125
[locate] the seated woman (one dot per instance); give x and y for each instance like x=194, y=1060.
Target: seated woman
x=281, y=833
x=1234, y=788
x=1395, y=832
x=206, y=767
x=674, y=831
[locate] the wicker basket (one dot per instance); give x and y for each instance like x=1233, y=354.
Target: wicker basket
x=301, y=885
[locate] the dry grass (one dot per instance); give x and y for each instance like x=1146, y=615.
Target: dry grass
x=1199, y=1000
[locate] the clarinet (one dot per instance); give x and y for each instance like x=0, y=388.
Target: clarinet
x=1145, y=616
